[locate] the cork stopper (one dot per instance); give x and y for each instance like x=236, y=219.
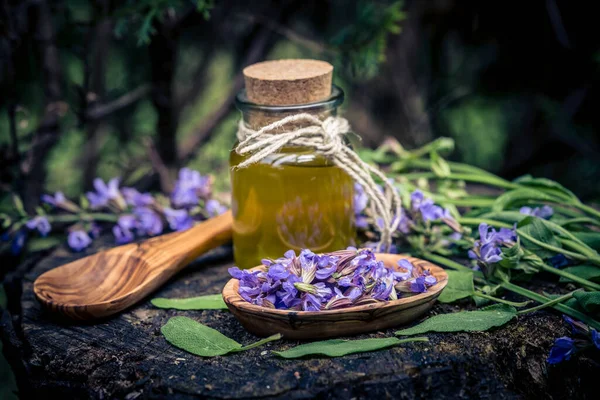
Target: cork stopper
x=288, y=82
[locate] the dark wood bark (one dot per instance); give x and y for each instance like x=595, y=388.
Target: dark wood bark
x=126, y=356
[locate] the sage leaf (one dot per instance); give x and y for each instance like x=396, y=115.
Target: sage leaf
x=209, y=302
x=339, y=347
x=592, y=239
x=196, y=338
x=533, y=227
x=589, y=272
x=202, y=340
x=465, y=321
x=548, y=186
x=590, y=301
x=460, y=285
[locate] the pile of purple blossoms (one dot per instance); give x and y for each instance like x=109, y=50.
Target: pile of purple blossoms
x=137, y=214
x=565, y=347
x=488, y=249
x=313, y=282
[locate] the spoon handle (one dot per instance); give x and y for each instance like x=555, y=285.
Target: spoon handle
x=195, y=241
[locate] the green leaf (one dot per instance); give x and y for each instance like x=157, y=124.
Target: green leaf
x=590, y=301
x=202, y=340
x=196, y=338
x=511, y=197
x=589, y=272
x=19, y=205
x=535, y=228
x=460, y=285
x=209, y=302
x=338, y=347
x=548, y=186
x=592, y=239
x=465, y=321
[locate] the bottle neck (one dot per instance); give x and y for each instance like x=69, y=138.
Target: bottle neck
x=256, y=116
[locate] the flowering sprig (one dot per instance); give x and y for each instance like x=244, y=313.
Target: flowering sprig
x=128, y=213
x=313, y=282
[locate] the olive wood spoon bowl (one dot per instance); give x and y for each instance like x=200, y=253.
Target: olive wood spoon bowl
x=110, y=281
x=263, y=321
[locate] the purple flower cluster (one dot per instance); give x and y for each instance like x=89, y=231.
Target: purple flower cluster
x=314, y=282
x=420, y=210
x=137, y=214
x=544, y=212
x=487, y=250
x=564, y=347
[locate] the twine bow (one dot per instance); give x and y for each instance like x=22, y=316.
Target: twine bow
x=326, y=138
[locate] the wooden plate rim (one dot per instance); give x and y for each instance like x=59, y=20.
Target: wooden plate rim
x=232, y=297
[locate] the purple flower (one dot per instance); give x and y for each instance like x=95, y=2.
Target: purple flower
x=544, y=212
x=278, y=272
x=490, y=253
x=487, y=234
x=418, y=285
x=190, y=186
x=595, y=338
x=18, y=242
x=135, y=198
x=310, y=302
x=214, y=208
x=104, y=192
x=78, y=240
x=416, y=198
x=562, y=350
x=559, y=260
x=408, y=273
x=41, y=224
x=148, y=222
x=506, y=235
x=122, y=235
x=56, y=200
x=179, y=220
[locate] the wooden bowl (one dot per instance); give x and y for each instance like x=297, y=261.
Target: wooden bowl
x=263, y=321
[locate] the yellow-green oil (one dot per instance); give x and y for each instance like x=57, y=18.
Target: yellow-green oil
x=293, y=199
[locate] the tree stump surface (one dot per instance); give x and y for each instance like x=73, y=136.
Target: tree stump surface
x=127, y=357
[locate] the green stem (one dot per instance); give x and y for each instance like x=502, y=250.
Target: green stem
x=549, y=303
x=580, y=220
x=447, y=262
x=83, y=217
x=577, y=246
x=464, y=202
x=570, y=276
x=485, y=179
x=560, y=307
x=272, y=338
x=510, y=303
x=587, y=209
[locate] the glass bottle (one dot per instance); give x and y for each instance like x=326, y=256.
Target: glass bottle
x=292, y=199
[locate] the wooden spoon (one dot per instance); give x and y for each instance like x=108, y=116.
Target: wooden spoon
x=110, y=281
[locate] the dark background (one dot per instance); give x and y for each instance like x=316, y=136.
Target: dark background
x=129, y=88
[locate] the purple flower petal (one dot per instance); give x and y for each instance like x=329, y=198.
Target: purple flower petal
x=78, y=240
